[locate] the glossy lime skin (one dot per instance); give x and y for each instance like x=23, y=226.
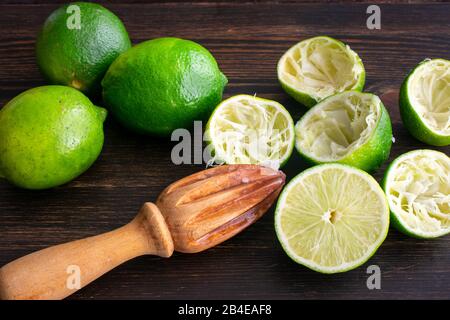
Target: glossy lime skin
x=413, y=121
x=163, y=84
x=80, y=57
x=48, y=136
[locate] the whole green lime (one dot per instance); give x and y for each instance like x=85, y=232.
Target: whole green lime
x=78, y=43
x=48, y=136
x=163, y=84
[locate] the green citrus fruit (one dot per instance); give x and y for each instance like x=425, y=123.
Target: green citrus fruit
x=246, y=129
x=417, y=186
x=319, y=67
x=352, y=128
x=77, y=44
x=163, y=84
x=322, y=225
x=48, y=136
x=425, y=102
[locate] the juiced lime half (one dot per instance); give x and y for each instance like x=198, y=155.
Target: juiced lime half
x=351, y=128
x=246, y=129
x=332, y=218
x=425, y=102
x=417, y=185
x=319, y=67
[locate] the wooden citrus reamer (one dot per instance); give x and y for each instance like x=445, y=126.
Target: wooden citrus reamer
x=190, y=215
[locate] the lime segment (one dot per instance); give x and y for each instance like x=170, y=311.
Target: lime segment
x=417, y=185
x=245, y=129
x=351, y=128
x=425, y=102
x=322, y=225
x=320, y=67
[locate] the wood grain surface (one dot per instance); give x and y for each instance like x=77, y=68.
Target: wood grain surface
x=247, y=40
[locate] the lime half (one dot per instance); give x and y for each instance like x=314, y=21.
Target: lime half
x=417, y=185
x=320, y=67
x=351, y=128
x=425, y=102
x=332, y=218
x=245, y=129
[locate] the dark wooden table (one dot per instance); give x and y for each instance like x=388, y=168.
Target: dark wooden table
x=247, y=39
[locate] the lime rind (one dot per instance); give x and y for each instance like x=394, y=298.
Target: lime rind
x=417, y=185
x=246, y=129
x=351, y=128
x=49, y=136
x=371, y=228
x=319, y=67
x=425, y=102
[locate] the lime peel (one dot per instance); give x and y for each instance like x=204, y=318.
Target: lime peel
x=429, y=88
x=425, y=102
x=335, y=130
x=319, y=67
x=350, y=127
x=417, y=185
x=251, y=130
